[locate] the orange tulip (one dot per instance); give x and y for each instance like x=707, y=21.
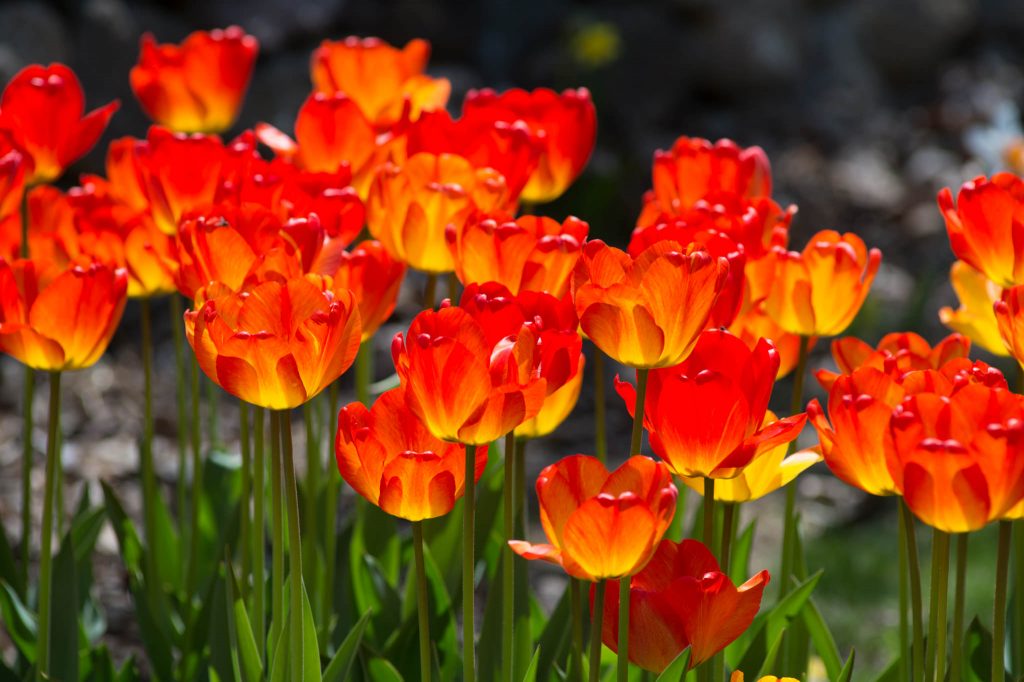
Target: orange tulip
x=647, y=312
x=388, y=456
x=974, y=318
x=986, y=226
x=681, y=599
x=599, y=524
x=388, y=84
x=375, y=279
x=410, y=206
x=14, y=165
x=958, y=460
x=55, y=319
x=556, y=407
x=565, y=125
x=819, y=291
x=275, y=345
x=726, y=388
x=197, y=86
x=737, y=676
x=531, y=253
x=752, y=324
x=331, y=197
x=899, y=353
x=42, y=108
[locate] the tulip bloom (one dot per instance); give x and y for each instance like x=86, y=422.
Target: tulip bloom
x=601, y=525
x=899, y=353
x=1011, y=321
x=986, y=226
x=42, y=108
x=56, y=319
x=531, y=253
x=646, y=312
x=556, y=408
x=725, y=388
x=958, y=460
x=375, y=279
x=752, y=324
x=737, y=676
x=974, y=318
x=565, y=125
x=387, y=83
x=275, y=345
x=818, y=292
x=681, y=599
x=388, y=456
x=411, y=206
x=13, y=166
x=197, y=86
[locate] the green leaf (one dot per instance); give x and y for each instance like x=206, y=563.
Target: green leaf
x=220, y=641
x=64, y=614
x=245, y=642
x=531, y=671
x=821, y=636
x=677, y=668
x=978, y=653
x=751, y=648
x=310, y=647
x=19, y=622
x=380, y=670
x=9, y=572
x=555, y=638
x=739, y=564
x=846, y=674
x=341, y=665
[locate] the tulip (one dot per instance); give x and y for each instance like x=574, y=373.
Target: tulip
x=985, y=226
x=556, y=407
x=974, y=318
x=682, y=599
x=1011, y=321
x=565, y=125
x=752, y=324
x=275, y=345
x=529, y=253
x=197, y=86
x=42, y=109
x=375, y=279
x=958, y=460
x=411, y=206
x=56, y=319
x=14, y=165
x=332, y=131
x=601, y=525
x=388, y=456
x=737, y=676
x=899, y=353
x=819, y=291
x=648, y=311
x=726, y=388
x=387, y=83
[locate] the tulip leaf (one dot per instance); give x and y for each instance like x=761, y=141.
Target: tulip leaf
x=846, y=674
x=751, y=648
x=739, y=564
x=8, y=569
x=19, y=622
x=222, y=648
x=555, y=638
x=530, y=675
x=311, y=649
x=380, y=670
x=340, y=666
x=677, y=668
x=821, y=637
x=64, y=614
x=978, y=653
x=245, y=643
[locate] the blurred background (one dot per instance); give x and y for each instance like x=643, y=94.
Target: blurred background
x=866, y=109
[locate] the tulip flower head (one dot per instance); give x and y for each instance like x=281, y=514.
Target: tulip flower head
x=601, y=525
x=695, y=169
x=986, y=226
x=737, y=676
x=14, y=164
x=647, y=312
x=389, y=457
x=199, y=85
x=42, y=107
x=54, y=319
x=1010, y=320
x=375, y=278
x=276, y=344
x=681, y=599
x=899, y=352
x=753, y=324
x=565, y=125
x=818, y=292
x=974, y=318
x=707, y=416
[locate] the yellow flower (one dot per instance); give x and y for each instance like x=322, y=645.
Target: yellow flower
x=737, y=676
x=974, y=318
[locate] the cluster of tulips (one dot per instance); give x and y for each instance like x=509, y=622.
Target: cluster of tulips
x=708, y=305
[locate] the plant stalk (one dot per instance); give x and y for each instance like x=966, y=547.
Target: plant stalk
x=596, y=624
x=421, y=598
x=46, y=539
x=999, y=614
x=295, y=589
x=468, y=565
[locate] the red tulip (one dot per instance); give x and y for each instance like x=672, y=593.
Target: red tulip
x=375, y=279
x=900, y=352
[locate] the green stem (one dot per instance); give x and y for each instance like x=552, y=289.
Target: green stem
x=364, y=375
x=999, y=614
x=904, y=600
x=576, y=606
x=197, y=488
x=958, y=607
x=730, y=516
x=940, y=596
x=314, y=474
x=149, y=487
x=520, y=499
x=638, y=411
x=468, y=568
x=212, y=406
x=245, y=532
x=430, y=291
x=276, y=541
x=789, y=518
x=600, y=427
x=294, y=549
x=453, y=288
x=623, y=658
x=421, y=598
x=709, y=514
x=258, y=545
x=508, y=580
x=914, y=571
x=27, y=427
x=46, y=539
x=331, y=508
x=596, y=624
x=1017, y=653
x=183, y=418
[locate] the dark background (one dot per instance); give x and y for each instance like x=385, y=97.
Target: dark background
x=865, y=107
